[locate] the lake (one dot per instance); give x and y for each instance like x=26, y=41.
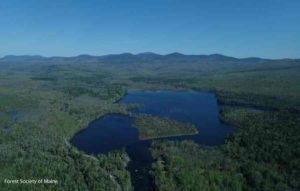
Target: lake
x=115, y=131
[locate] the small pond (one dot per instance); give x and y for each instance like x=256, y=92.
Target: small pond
x=114, y=131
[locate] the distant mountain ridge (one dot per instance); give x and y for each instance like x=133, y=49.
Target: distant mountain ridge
x=146, y=57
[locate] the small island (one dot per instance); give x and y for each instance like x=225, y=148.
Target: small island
x=151, y=127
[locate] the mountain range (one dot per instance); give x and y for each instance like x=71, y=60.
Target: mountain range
x=146, y=58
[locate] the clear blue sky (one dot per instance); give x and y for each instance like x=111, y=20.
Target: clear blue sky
x=240, y=28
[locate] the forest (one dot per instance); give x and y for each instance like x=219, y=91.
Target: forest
x=151, y=127
x=44, y=101
x=262, y=155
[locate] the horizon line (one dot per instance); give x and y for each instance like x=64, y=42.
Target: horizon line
x=136, y=54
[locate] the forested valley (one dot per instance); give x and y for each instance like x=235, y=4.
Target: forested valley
x=44, y=101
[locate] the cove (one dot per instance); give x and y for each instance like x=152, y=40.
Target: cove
x=115, y=131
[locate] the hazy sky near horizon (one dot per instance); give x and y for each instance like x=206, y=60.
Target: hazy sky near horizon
x=240, y=28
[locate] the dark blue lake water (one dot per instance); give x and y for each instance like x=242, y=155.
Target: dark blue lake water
x=114, y=131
